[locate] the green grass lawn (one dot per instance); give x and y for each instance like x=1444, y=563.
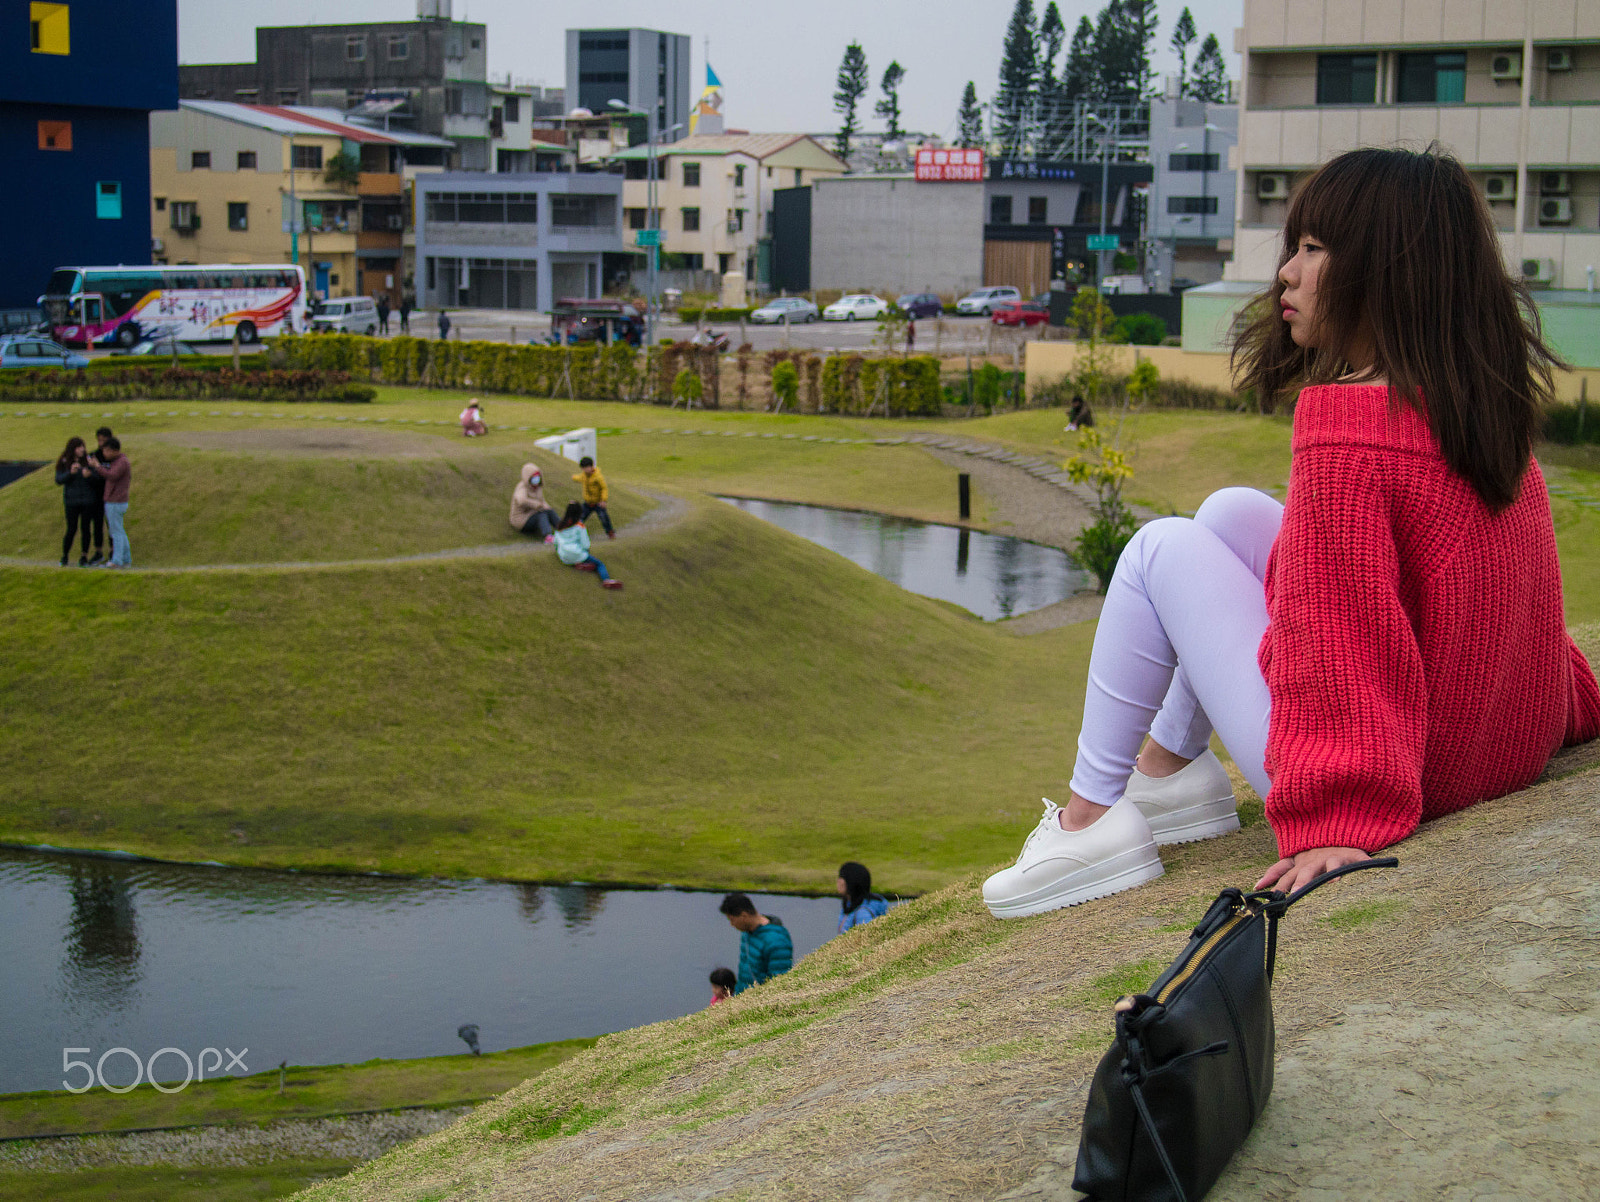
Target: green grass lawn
x=308, y=1092
x=138, y=1183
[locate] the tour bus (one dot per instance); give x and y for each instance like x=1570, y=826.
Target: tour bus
x=101, y=306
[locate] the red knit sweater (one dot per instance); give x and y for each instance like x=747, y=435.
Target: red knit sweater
x=1416, y=652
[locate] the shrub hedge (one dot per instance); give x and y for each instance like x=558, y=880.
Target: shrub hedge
x=185, y=383
x=710, y=314
x=1572, y=424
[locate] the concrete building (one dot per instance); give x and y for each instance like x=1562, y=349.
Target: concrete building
x=1193, y=192
x=715, y=194
x=516, y=241
x=429, y=76
x=223, y=175
x=518, y=140
x=643, y=68
x=77, y=83
x=1509, y=86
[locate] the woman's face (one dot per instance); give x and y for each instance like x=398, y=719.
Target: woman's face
x=844, y=889
x=1300, y=275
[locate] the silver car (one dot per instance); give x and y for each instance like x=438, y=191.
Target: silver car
x=794, y=309
x=986, y=300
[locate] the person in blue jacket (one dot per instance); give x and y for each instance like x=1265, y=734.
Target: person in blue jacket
x=765, y=949
x=857, y=902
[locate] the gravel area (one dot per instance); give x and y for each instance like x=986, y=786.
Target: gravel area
x=355, y=1138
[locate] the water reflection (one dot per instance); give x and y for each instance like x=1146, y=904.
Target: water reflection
x=990, y=574
x=101, y=961
x=579, y=904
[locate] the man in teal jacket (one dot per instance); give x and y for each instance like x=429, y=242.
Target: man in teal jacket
x=765, y=949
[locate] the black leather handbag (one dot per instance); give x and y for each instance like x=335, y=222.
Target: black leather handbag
x=1191, y=1067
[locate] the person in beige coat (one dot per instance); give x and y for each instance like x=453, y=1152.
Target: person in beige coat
x=530, y=512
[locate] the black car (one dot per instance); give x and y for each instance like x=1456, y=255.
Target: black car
x=920, y=304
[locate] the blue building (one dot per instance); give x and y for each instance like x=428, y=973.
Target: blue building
x=78, y=81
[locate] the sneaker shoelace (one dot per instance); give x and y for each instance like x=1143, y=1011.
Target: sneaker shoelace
x=1051, y=809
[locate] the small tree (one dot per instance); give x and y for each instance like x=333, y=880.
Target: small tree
x=851, y=86
x=1093, y=319
x=1105, y=469
x=1080, y=77
x=785, y=385
x=969, y=119
x=889, y=107
x=343, y=170
x=1183, y=36
x=1143, y=381
x=686, y=387
x=1210, y=72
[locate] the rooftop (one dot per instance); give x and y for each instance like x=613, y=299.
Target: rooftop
x=757, y=146
x=303, y=119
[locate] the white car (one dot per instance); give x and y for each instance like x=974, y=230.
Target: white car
x=353, y=315
x=858, y=306
x=984, y=301
x=794, y=309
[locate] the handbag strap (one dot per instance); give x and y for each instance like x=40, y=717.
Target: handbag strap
x=1277, y=904
x=1155, y=1141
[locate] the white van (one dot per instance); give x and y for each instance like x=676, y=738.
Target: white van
x=351, y=315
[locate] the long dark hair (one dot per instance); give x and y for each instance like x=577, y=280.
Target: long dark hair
x=1414, y=271
x=857, y=884
x=572, y=517
x=73, y=444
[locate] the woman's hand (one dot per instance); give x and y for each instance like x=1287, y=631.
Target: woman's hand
x=1302, y=868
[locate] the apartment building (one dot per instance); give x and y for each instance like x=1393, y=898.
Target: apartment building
x=645, y=69
x=715, y=193
x=1193, y=192
x=428, y=76
x=517, y=143
x=1512, y=87
x=77, y=82
x=228, y=181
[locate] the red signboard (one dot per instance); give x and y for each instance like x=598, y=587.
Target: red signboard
x=955, y=164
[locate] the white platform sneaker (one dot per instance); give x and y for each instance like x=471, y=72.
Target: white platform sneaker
x=1195, y=802
x=1062, y=868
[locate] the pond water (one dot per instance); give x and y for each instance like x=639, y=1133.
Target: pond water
x=992, y=575
x=314, y=969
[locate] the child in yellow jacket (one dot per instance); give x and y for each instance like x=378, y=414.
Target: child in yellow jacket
x=594, y=494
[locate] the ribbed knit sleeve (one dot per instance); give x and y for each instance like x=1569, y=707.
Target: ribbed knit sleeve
x=1349, y=699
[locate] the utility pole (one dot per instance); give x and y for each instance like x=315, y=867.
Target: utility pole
x=651, y=218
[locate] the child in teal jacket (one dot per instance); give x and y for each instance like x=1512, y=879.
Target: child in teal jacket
x=572, y=546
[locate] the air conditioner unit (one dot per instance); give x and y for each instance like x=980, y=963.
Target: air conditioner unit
x=1558, y=60
x=157, y=246
x=1538, y=271
x=1272, y=185
x=1554, y=183
x=396, y=221
x=1506, y=66
x=1500, y=187
x=1555, y=210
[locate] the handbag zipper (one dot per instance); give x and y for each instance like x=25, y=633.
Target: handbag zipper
x=1200, y=954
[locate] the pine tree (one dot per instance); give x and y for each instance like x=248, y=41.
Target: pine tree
x=1183, y=36
x=852, y=86
x=1051, y=110
x=1143, y=25
x=889, y=107
x=969, y=119
x=1052, y=36
x=1210, y=72
x=1019, y=80
x=1080, y=78
x=1122, y=36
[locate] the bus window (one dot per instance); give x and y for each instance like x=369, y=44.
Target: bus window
x=64, y=281
x=87, y=310
x=124, y=292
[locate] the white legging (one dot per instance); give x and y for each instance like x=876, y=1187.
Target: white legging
x=1182, y=620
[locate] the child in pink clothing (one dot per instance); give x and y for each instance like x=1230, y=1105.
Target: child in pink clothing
x=722, y=984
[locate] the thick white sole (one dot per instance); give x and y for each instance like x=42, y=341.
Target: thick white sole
x=1121, y=871
x=1193, y=823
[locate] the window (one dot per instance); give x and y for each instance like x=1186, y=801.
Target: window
x=738, y=175
x=483, y=208
x=769, y=172
x=691, y=175
x=797, y=177
x=355, y=49
x=513, y=108
x=691, y=220
x=452, y=101
x=246, y=95
x=580, y=210
x=1433, y=78
x=306, y=158
x=288, y=96
x=1194, y=162
x=603, y=44
x=735, y=220
x=55, y=135
x=199, y=160
x=161, y=204
x=636, y=218
x=999, y=210
x=477, y=43
x=399, y=47
x=184, y=216
x=238, y=215
x=1191, y=204
x=247, y=160
x=1347, y=78
x=1038, y=207
x=108, y=199
x=48, y=25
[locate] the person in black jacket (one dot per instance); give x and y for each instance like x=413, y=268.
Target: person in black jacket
x=81, y=491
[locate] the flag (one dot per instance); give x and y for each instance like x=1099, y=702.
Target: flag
x=707, y=115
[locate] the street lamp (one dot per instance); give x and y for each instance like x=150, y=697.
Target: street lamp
x=651, y=221
x=1105, y=172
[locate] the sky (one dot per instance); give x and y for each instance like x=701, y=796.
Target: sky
x=777, y=62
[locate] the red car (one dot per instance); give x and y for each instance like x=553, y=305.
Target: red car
x=1020, y=313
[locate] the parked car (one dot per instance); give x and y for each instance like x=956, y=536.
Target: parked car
x=795, y=308
x=351, y=315
x=1020, y=313
x=858, y=306
x=984, y=300
x=38, y=353
x=920, y=304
